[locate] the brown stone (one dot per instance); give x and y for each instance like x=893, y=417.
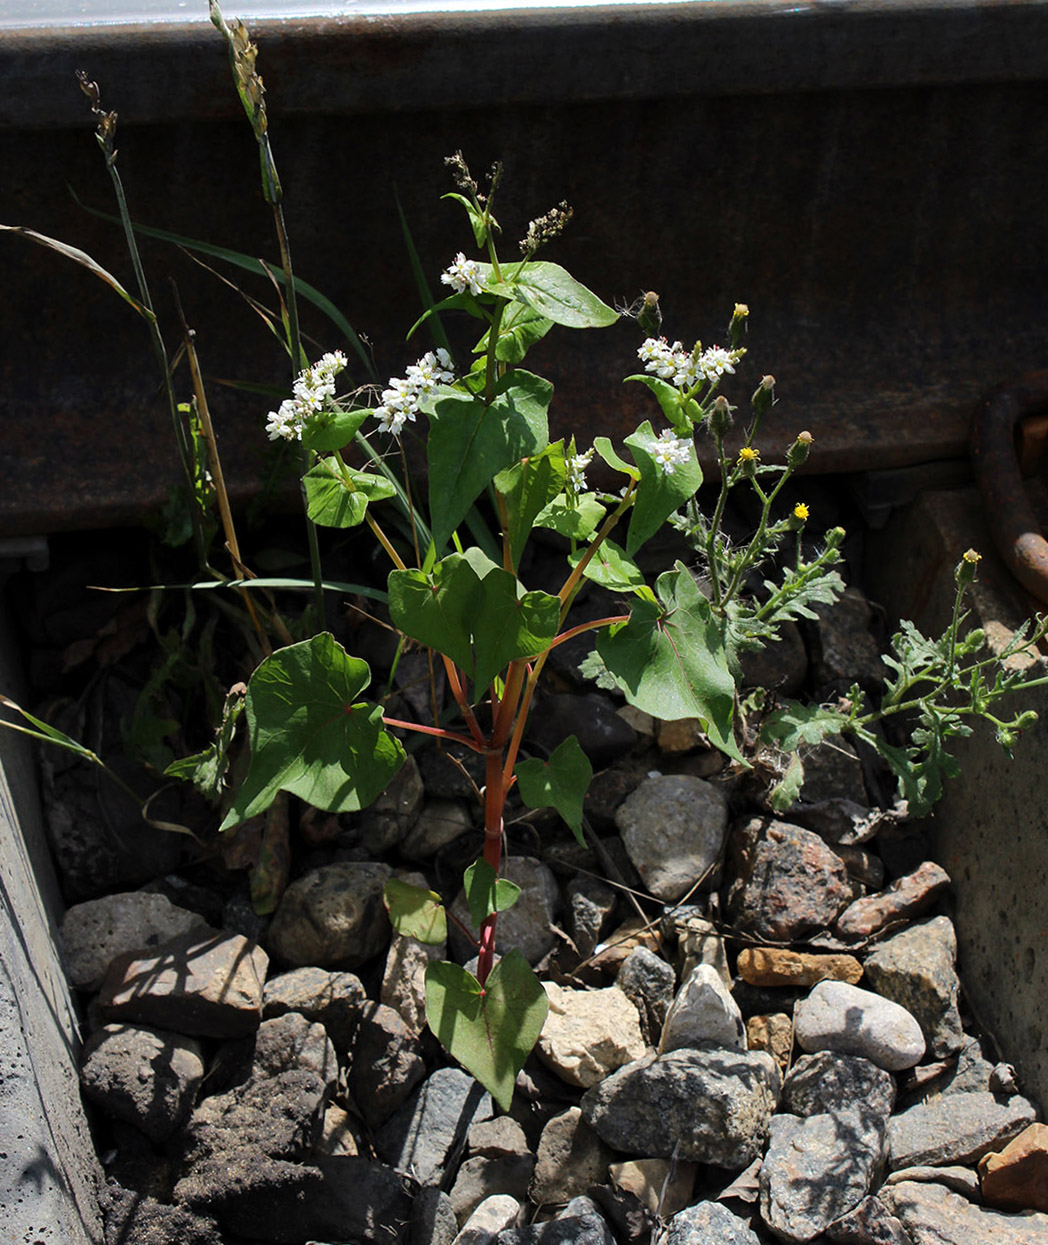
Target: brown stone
x=905, y=898
x=772, y=1033
x=202, y=983
x=611, y=953
x=787, y=882
x=774, y=966
x=1016, y=1178
x=680, y=735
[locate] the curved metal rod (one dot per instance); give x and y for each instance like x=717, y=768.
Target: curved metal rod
x=1009, y=515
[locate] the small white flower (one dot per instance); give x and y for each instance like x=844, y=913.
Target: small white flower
x=462, y=275
x=400, y=400
x=576, y=465
x=716, y=361
x=672, y=363
x=287, y=422
x=669, y=452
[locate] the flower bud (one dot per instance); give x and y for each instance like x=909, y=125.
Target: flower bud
x=799, y=450
x=737, y=328
x=649, y=317
x=764, y=397
x=965, y=572
x=835, y=537
x=720, y=416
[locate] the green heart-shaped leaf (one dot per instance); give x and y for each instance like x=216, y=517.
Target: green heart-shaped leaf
x=560, y=783
x=486, y=892
x=470, y=441
x=338, y=495
x=415, y=912
x=489, y=1029
x=311, y=736
x=670, y=658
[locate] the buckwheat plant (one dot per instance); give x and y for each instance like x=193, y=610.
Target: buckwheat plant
x=671, y=650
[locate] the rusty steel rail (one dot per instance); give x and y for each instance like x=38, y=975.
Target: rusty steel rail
x=998, y=474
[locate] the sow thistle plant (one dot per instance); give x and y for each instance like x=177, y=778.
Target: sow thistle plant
x=672, y=651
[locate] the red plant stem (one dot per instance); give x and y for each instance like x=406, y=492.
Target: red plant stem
x=494, y=803
x=438, y=731
x=589, y=626
x=455, y=683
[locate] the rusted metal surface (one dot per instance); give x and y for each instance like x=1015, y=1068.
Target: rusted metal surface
x=889, y=243
x=1009, y=513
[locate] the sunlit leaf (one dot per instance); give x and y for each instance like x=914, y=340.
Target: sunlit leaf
x=415, y=912
x=489, y=1029
x=311, y=736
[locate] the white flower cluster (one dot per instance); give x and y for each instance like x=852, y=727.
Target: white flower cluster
x=669, y=452
x=462, y=275
x=576, y=464
x=311, y=392
x=685, y=368
x=400, y=401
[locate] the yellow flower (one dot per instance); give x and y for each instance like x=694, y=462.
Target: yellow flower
x=801, y=512
x=748, y=454
x=972, y=557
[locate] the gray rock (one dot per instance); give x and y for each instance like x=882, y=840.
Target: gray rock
x=433, y=1221
x=933, y=1215
x=786, y=882
x=332, y=998
x=591, y=906
x=291, y=1041
x=527, y=924
x=703, y=1013
x=828, y=1081
x=715, y=1104
x=833, y=771
x=143, y=1076
x=501, y=1137
x=487, y=1221
x=709, y=1223
x=333, y=917
x=439, y=823
x=591, y=717
x=963, y=1180
x=818, y=1168
x=956, y=1128
x=131, y=1217
x=839, y=1017
x=280, y=1117
x=95, y=932
x=968, y=1071
x=700, y=942
x=249, y=1192
x=386, y=1065
x=780, y=665
x=571, y=1158
x=571, y=1230
x=336, y=1198
x=424, y=1136
x=482, y=1176
x=202, y=983
x=648, y=982
x=845, y=648
x=868, y=1223
x=404, y=978
x=917, y=969
x=674, y=828
x=391, y=818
